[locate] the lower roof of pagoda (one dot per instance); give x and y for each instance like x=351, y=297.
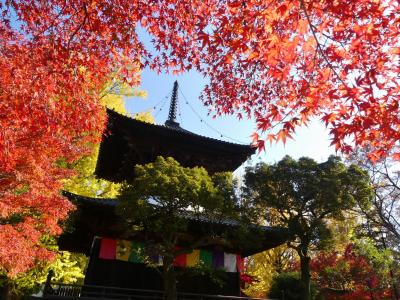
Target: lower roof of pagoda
x=98, y=217
x=128, y=142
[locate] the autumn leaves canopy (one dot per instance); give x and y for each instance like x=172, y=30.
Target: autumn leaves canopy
x=280, y=62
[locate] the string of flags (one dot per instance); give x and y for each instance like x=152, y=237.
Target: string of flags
x=134, y=252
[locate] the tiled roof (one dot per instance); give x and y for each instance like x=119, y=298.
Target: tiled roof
x=180, y=130
x=112, y=203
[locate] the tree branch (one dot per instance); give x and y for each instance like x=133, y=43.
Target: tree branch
x=302, y=4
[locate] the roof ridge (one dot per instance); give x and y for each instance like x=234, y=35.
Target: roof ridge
x=177, y=129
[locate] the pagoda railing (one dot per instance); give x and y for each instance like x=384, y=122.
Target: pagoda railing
x=72, y=291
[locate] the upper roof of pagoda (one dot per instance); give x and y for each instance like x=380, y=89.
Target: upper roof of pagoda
x=128, y=142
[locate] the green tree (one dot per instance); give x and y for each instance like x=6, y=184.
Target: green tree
x=306, y=195
x=382, y=218
x=164, y=198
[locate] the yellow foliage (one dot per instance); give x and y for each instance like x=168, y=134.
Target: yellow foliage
x=114, y=94
x=67, y=268
x=146, y=117
x=263, y=266
x=343, y=231
x=85, y=183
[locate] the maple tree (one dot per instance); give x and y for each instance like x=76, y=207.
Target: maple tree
x=360, y=272
x=68, y=267
x=281, y=62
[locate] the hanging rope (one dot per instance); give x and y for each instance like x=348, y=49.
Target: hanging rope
x=180, y=114
x=160, y=103
x=208, y=125
x=164, y=100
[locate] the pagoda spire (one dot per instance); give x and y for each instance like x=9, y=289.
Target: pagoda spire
x=171, y=121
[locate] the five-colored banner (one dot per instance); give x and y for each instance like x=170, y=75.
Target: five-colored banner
x=135, y=252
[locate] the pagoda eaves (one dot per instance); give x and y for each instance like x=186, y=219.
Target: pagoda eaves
x=128, y=142
x=98, y=217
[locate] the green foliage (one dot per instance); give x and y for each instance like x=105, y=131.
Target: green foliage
x=380, y=259
x=306, y=195
x=164, y=198
x=217, y=276
x=288, y=286
x=163, y=190
x=343, y=231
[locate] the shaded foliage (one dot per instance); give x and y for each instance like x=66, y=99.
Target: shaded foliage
x=67, y=268
x=382, y=217
x=288, y=286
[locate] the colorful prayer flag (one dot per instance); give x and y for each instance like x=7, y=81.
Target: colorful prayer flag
x=180, y=260
x=193, y=258
x=230, y=262
x=239, y=263
x=124, y=249
x=137, y=254
x=108, y=248
x=206, y=257
x=218, y=259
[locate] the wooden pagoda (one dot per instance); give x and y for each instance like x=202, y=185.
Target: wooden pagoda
x=127, y=142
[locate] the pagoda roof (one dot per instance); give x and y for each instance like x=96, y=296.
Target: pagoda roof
x=98, y=217
x=128, y=142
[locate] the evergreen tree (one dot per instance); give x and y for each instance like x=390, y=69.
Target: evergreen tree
x=165, y=198
x=306, y=195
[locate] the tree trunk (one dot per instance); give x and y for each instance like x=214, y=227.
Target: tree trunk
x=305, y=277
x=169, y=275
